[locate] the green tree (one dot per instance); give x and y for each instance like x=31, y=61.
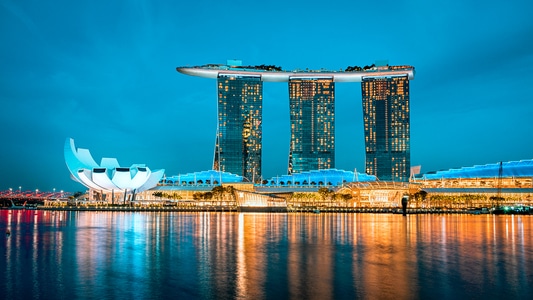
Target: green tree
x=324, y=193
x=231, y=191
x=218, y=191
x=197, y=196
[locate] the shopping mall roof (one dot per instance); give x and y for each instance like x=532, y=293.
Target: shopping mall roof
x=211, y=176
x=522, y=168
x=316, y=177
x=326, y=177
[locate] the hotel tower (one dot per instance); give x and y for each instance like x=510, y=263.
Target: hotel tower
x=386, y=126
x=385, y=91
x=312, y=112
x=239, y=137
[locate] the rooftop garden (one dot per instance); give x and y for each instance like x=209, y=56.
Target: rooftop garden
x=274, y=68
x=261, y=67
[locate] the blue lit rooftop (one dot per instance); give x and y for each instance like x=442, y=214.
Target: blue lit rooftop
x=203, y=177
x=321, y=177
x=333, y=177
x=522, y=168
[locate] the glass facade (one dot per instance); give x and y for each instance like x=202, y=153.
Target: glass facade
x=386, y=127
x=312, y=118
x=239, y=135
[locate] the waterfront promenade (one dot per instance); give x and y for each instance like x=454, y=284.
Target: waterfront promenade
x=298, y=202
x=308, y=209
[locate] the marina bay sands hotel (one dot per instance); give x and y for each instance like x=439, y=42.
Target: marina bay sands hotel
x=385, y=97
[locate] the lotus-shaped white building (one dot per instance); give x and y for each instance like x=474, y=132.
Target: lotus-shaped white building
x=109, y=176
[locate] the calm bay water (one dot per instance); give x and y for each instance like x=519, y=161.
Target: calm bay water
x=151, y=255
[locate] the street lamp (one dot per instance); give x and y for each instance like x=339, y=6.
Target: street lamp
x=20, y=189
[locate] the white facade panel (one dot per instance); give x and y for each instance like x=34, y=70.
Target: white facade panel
x=103, y=180
x=140, y=178
x=109, y=163
x=86, y=158
x=122, y=178
x=152, y=181
x=85, y=178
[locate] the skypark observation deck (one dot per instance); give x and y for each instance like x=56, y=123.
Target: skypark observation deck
x=274, y=74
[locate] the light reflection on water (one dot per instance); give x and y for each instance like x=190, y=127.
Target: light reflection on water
x=87, y=255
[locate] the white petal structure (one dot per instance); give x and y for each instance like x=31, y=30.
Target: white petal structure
x=109, y=175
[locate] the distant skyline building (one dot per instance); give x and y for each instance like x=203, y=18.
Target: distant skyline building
x=385, y=100
x=387, y=127
x=312, y=116
x=239, y=136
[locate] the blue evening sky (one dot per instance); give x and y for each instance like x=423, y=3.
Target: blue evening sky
x=103, y=73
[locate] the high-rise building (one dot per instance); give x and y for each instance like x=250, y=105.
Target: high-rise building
x=386, y=126
x=385, y=92
x=312, y=117
x=239, y=135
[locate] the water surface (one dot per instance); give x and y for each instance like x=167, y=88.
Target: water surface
x=157, y=255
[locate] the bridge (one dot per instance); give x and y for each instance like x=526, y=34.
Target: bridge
x=19, y=197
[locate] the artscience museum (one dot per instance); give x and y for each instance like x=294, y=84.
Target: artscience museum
x=108, y=177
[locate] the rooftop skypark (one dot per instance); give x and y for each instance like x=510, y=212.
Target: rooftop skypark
x=274, y=68
x=274, y=73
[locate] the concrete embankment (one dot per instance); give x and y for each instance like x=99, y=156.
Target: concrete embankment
x=258, y=209
x=136, y=208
